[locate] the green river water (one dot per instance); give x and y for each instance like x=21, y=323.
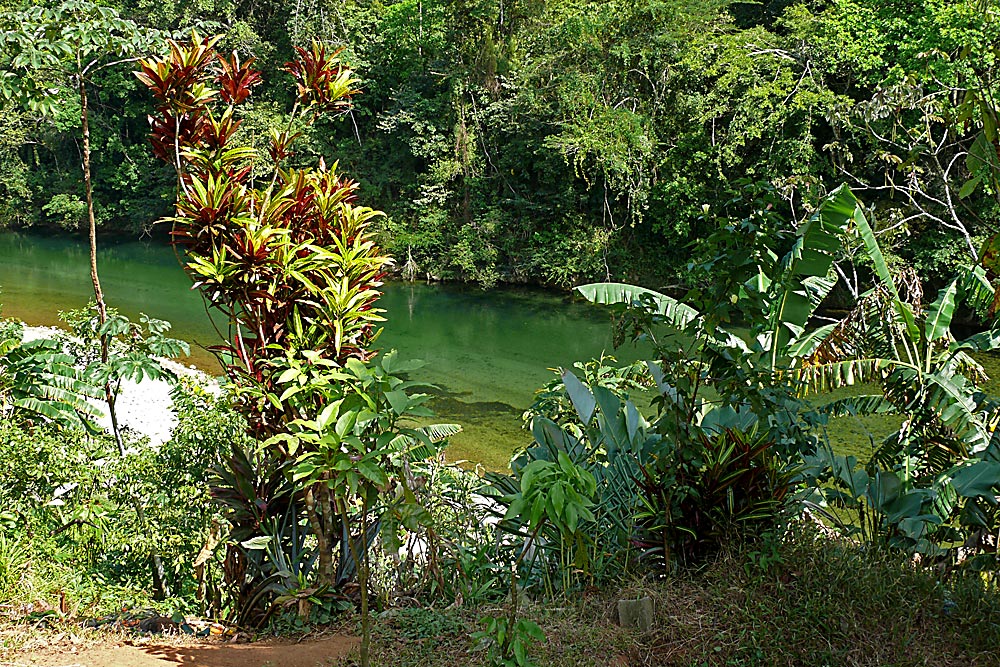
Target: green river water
x=487, y=352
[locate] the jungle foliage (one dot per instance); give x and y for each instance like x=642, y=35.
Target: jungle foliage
x=556, y=142
x=524, y=141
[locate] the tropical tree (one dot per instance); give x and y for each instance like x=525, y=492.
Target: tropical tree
x=135, y=351
x=756, y=276
x=51, y=54
x=926, y=484
x=49, y=57
x=920, y=143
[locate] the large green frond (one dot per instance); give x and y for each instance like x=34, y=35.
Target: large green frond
x=678, y=314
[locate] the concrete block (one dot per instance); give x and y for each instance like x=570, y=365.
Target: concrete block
x=636, y=614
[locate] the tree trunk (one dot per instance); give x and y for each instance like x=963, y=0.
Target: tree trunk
x=363, y=577
x=360, y=554
x=315, y=508
x=102, y=310
x=158, y=571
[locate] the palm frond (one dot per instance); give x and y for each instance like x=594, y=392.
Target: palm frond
x=41, y=379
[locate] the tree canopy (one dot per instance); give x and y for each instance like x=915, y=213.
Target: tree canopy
x=560, y=142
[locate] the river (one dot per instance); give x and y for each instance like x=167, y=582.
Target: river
x=487, y=352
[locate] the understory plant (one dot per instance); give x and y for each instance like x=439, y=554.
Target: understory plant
x=282, y=254
x=288, y=258
x=719, y=456
x=556, y=494
x=112, y=348
x=929, y=486
x=734, y=406
x=40, y=381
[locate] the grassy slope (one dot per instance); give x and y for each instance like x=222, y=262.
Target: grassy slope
x=823, y=605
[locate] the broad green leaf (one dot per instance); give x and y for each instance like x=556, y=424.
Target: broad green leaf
x=804, y=283
x=969, y=187
x=984, y=341
x=328, y=414
x=978, y=480
x=941, y=312
x=677, y=313
x=372, y=472
x=583, y=400
x=398, y=400
x=257, y=543
x=874, y=252
x=288, y=375
x=858, y=406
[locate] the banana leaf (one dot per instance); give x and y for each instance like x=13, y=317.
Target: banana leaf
x=941, y=312
x=804, y=281
x=676, y=313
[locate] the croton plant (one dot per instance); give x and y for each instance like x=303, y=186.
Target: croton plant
x=284, y=253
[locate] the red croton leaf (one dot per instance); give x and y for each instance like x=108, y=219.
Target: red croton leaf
x=237, y=79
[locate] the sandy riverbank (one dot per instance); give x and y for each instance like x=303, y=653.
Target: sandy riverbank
x=144, y=407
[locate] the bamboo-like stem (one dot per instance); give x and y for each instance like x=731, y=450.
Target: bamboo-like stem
x=361, y=558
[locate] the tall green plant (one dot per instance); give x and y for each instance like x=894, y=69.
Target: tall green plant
x=928, y=484
x=349, y=459
x=290, y=261
x=730, y=426
x=759, y=276
x=48, y=57
x=590, y=422
x=115, y=349
x=285, y=256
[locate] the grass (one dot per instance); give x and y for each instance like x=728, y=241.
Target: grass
x=824, y=603
x=808, y=600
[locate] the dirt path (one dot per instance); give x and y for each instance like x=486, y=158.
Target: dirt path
x=313, y=653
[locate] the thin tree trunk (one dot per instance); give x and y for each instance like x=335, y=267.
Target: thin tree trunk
x=315, y=508
x=159, y=573
x=364, y=572
x=360, y=555
x=102, y=309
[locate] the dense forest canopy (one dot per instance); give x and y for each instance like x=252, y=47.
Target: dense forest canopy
x=569, y=140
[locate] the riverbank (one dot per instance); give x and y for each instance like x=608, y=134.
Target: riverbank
x=142, y=407
x=814, y=601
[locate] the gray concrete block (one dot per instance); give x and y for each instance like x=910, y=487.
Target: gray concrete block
x=636, y=614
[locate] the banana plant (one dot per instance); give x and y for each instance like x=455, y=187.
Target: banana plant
x=930, y=483
x=704, y=362
x=910, y=352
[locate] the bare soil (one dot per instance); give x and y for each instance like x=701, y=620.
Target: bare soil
x=321, y=652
